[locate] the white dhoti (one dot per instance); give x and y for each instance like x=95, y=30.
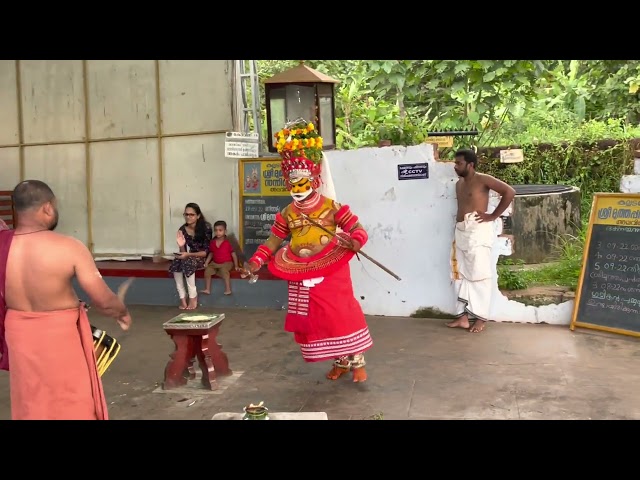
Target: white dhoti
x=471, y=266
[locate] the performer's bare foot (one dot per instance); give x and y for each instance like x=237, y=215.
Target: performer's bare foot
x=183, y=304
x=359, y=375
x=462, y=322
x=336, y=372
x=227, y=292
x=206, y=292
x=478, y=326
x=193, y=303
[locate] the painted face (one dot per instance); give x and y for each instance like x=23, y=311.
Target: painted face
x=301, y=188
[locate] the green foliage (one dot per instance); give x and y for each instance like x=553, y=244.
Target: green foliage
x=573, y=119
x=559, y=148
x=557, y=126
x=583, y=166
x=563, y=273
x=616, y=93
x=510, y=278
x=501, y=98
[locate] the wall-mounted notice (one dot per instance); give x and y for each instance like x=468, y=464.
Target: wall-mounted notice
x=442, y=142
x=241, y=145
x=413, y=171
x=511, y=155
x=608, y=293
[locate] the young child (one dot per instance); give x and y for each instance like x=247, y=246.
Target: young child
x=221, y=259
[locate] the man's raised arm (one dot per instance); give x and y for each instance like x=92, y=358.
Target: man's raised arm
x=90, y=280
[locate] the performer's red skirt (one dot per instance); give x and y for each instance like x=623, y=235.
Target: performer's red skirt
x=327, y=321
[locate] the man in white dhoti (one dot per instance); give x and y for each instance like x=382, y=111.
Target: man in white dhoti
x=473, y=240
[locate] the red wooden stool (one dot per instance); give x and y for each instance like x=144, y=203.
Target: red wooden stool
x=195, y=339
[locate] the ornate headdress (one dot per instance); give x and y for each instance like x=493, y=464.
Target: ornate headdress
x=300, y=147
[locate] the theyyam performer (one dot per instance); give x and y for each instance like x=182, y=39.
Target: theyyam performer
x=323, y=314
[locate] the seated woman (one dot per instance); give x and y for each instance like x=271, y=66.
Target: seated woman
x=193, y=241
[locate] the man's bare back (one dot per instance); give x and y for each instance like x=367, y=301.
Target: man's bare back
x=40, y=269
x=472, y=194
x=42, y=264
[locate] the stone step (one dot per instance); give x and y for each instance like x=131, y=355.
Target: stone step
x=540, y=295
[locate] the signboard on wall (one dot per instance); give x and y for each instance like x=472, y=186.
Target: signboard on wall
x=413, y=171
x=608, y=292
x=263, y=193
x=512, y=155
x=442, y=142
x=241, y=145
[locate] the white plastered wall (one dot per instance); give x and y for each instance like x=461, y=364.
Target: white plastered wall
x=410, y=225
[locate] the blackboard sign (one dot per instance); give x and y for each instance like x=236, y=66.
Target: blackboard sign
x=263, y=194
x=259, y=215
x=608, y=293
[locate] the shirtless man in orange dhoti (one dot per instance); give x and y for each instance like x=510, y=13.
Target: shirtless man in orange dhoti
x=326, y=319
x=45, y=338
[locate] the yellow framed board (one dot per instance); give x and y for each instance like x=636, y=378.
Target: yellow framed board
x=263, y=193
x=608, y=293
x=442, y=142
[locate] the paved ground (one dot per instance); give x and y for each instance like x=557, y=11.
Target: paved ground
x=418, y=369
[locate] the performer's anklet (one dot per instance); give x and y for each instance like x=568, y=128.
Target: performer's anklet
x=358, y=361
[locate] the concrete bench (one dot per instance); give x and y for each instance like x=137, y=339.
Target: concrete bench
x=149, y=269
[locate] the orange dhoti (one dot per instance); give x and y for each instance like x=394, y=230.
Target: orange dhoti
x=53, y=373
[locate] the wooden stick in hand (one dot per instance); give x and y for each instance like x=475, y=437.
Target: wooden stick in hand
x=122, y=289
x=343, y=242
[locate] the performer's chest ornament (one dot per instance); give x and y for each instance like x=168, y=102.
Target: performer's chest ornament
x=306, y=238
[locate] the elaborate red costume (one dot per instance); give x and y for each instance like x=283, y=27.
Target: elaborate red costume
x=323, y=314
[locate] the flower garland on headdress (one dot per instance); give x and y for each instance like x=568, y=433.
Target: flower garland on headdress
x=300, y=146
x=299, y=139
